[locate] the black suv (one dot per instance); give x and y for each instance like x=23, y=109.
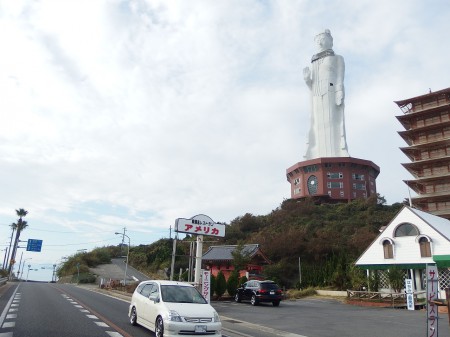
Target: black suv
x=259, y=291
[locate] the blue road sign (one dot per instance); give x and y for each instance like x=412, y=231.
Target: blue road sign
x=34, y=245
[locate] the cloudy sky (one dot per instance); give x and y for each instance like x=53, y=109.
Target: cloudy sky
x=132, y=113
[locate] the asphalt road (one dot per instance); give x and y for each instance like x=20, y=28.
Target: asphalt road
x=47, y=310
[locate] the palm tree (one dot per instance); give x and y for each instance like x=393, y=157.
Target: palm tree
x=19, y=227
x=13, y=227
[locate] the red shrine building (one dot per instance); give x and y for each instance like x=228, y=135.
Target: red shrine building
x=426, y=120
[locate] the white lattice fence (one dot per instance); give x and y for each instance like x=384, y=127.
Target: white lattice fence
x=444, y=278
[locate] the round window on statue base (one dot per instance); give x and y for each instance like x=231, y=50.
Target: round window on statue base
x=312, y=185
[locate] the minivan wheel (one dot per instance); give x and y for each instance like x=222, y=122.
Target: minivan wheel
x=159, y=327
x=253, y=300
x=133, y=316
x=237, y=298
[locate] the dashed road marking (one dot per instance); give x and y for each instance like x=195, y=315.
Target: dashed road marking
x=102, y=324
x=90, y=315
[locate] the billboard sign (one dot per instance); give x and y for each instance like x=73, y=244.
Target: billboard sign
x=200, y=225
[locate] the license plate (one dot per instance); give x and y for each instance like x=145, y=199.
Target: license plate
x=200, y=328
x=272, y=292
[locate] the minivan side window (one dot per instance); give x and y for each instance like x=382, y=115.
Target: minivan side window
x=146, y=290
x=155, y=291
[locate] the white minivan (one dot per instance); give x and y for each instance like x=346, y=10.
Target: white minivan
x=171, y=308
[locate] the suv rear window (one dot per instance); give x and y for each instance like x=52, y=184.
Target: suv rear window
x=269, y=286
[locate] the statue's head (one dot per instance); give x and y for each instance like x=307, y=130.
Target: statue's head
x=324, y=40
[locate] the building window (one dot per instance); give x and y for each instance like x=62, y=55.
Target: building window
x=406, y=229
x=335, y=175
x=328, y=165
x=310, y=168
x=297, y=181
x=388, y=249
x=425, y=247
x=357, y=176
x=359, y=186
x=341, y=193
x=332, y=184
x=297, y=191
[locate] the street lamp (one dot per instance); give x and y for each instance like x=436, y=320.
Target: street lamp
x=29, y=268
x=126, y=264
x=23, y=265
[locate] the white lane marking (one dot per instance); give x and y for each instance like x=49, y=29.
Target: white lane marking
x=7, y=306
x=102, y=324
x=9, y=325
x=6, y=334
x=112, y=334
x=14, y=305
x=92, y=316
x=78, y=306
x=257, y=327
x=9, y=316
x=84, y=310
x=13, y=309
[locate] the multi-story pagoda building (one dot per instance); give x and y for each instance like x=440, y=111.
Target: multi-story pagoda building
x=426, y=120
x=328, y=173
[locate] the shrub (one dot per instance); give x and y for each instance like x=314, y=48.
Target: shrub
x=221, y=284
x=212, y=284
x=232, y=283
x=396, y=279
x=242, y=280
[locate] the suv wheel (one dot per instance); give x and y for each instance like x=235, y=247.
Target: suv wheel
x=253, y=300
x=237, y=298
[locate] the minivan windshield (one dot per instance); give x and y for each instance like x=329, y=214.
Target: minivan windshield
x=181, y=294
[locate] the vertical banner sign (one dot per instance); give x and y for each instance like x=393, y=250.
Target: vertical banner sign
x=432, y=294
x=206, y=285
x=409, y=294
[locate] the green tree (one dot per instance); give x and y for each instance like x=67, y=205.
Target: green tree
x=396, y=278
x=221, y=284
x=358, y=278
x=212, y=285
x=232, y=283
x=18, y=227
x=240, y=258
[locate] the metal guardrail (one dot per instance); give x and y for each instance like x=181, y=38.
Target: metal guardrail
x=3, y=280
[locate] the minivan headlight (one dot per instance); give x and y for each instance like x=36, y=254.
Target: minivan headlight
x=216, y=317
x=174, y=316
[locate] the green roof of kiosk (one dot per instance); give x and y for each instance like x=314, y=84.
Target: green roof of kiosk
x=442, y=261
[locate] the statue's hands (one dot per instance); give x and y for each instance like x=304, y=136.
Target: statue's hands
x=307, y=74
x=339, y=97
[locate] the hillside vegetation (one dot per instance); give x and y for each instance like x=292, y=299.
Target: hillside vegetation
x=327, y=238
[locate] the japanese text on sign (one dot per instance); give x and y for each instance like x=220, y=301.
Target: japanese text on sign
x=432, y=294
x=409, y=294
x=200, y=225
x=206, y=285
